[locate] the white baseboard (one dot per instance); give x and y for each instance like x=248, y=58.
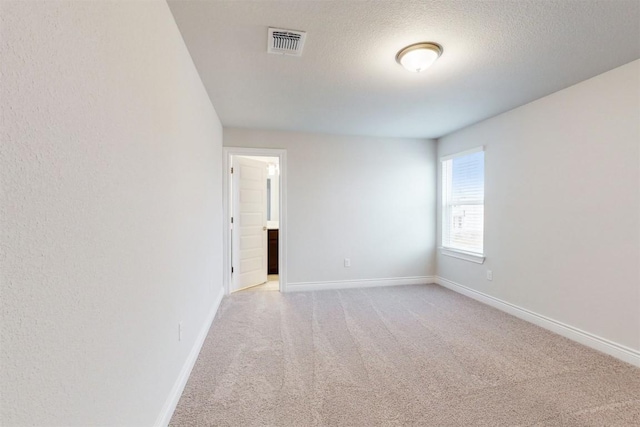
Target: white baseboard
x=361, y=283
x=611, y=348
x=172, y=400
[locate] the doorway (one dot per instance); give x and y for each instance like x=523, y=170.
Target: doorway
x=255, y=220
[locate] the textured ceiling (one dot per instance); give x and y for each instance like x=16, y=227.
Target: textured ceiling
x=497, y=55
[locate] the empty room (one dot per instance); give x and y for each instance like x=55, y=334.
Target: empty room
x=320, y=213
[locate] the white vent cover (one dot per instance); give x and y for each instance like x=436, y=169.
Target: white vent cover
x=286, y=42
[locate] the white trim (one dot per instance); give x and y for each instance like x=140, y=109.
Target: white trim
x=611, y=348
x=360, y=283
x=467, y=256
x=178, y=387
x=462, y=153
x=226, y=217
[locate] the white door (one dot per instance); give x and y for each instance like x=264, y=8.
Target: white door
x=249, y=229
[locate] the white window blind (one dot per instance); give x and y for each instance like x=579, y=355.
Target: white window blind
x=463, y=201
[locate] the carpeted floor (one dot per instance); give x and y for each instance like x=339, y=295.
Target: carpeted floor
x=397, y=356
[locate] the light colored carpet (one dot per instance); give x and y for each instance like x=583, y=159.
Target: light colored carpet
x=398, y=356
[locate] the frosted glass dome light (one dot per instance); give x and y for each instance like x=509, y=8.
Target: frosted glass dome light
x=418, y=57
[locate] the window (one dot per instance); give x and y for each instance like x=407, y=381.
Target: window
x=463, y=202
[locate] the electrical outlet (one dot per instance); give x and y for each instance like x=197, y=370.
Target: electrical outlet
x=489, y=275
x=179, y=331
x=347, y=262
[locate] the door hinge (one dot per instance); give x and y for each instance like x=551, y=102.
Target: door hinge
x=231, y=170
x=232, y=270
x=231, y=220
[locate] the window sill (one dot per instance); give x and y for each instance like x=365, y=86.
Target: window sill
x=467, y=256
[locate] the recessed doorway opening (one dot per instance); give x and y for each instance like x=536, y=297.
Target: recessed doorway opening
x=255, y=220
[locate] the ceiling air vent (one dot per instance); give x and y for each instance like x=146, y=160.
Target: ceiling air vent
x=286, y=42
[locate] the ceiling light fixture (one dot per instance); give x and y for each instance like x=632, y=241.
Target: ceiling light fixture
x=419, y=56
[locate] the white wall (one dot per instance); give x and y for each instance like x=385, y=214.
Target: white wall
x=368, y=199
x=110, y=167
x=562, y=215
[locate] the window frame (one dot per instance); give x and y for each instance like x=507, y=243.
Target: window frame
x=455, y=252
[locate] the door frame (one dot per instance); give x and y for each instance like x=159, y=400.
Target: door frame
x=281, y=154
